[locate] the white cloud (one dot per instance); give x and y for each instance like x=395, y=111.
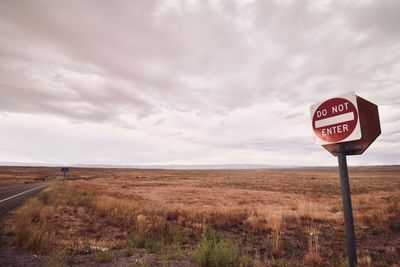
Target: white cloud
x=191, y=81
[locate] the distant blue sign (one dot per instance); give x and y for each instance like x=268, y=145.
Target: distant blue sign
x=64, y=169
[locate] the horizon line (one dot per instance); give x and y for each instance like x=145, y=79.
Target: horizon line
x=181, y=166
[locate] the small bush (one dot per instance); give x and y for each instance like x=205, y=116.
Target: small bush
x=213, y=252
x=119, y=212
x=34, y=238
x=150, y=243
x=31, y=227
x=154, y=245
x=174, y=235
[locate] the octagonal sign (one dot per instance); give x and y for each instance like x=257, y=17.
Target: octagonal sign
x=348, y=120
x=336, y=120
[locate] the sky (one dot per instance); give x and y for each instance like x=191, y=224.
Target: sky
x=191, y=82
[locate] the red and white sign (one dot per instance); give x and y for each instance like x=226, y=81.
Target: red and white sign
x=336, y=120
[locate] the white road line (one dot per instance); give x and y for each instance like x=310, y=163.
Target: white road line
x=23, y=193
x=334, y=120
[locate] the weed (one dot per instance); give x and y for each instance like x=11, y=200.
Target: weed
x=312, y=256
x=31, y=228
x=136, y=241
x=175, y=235
x=276, y=223
x=213, y=252
x=119, y=212
x=150, y=243
x=154, y=245
x=34, y=238
x=38, y=240
x=311, y=210
x=276, y=243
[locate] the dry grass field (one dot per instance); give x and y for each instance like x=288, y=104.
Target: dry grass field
x=269, y=217
x=24, y=175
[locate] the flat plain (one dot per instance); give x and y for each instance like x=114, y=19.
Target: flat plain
x=262, y=217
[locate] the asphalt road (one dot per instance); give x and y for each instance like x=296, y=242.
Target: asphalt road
x=12, y=197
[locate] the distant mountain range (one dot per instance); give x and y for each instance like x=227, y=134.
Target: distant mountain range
x=172, y=166
x=155, y=166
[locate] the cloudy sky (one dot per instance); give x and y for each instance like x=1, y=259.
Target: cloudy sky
x=191, y=82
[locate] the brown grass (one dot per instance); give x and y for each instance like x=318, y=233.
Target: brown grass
x=263, y=210
x=10, y=176
x=312, y=256
x=32, y=228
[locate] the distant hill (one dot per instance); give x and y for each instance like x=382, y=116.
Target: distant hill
x=153, y=166
x=175, y=166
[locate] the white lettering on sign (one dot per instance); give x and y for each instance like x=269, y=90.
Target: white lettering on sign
x=322, y=113
x=340, y=107
x=335, y=129
x=334, y=120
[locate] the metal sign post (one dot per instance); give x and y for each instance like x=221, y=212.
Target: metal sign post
x=346, y=125
x=347, y=208
x=64, y=170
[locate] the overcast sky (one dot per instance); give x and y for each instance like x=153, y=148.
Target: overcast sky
x=191, y=82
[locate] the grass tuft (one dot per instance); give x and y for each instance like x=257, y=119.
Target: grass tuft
x=214, y=252
x=31, y=226
x=312, y=257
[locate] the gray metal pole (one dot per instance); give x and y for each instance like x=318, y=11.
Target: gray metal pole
x=347, y=208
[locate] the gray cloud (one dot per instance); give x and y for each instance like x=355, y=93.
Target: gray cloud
x=155, y=66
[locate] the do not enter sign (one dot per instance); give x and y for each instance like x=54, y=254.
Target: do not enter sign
x=347, y=119
x=336, y=120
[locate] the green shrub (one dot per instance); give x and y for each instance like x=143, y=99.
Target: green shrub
x=151, y=243
x=154, y=245
x=211, y=251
